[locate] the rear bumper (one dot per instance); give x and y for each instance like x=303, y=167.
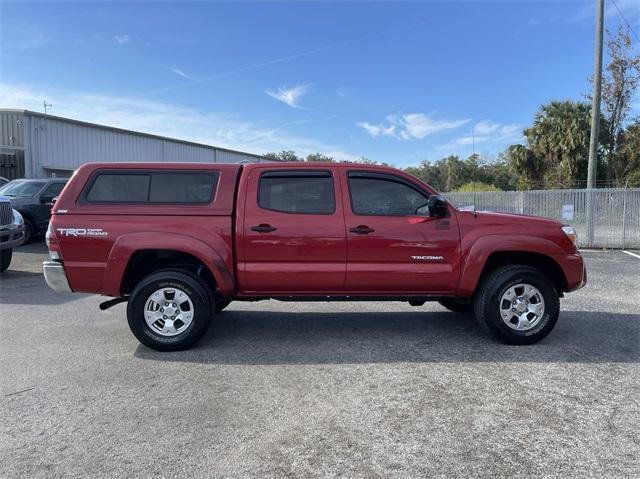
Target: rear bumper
x=55, y=276
x=11, y=236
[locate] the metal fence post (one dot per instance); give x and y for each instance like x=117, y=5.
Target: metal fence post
x=521, y=210
x=624, y=217
x=589, y=217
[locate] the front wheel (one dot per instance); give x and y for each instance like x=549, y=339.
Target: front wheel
x=170, y=310
x=517, y=304
x=29, y=231
x=5, y=259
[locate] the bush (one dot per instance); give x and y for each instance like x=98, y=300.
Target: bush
x=475, y=186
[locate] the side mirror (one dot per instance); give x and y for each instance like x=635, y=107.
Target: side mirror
x=45, y=199
x=437, y=206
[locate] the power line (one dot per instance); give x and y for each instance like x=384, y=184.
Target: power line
x=625, y=20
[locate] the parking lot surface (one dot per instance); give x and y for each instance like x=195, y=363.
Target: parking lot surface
x=358, y=390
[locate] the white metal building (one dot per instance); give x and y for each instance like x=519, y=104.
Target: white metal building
x=35, y=145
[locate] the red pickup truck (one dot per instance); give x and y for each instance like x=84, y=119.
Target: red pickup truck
x=179, y=242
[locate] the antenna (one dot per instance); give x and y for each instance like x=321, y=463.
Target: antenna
x=46, y=105
x=475, y=167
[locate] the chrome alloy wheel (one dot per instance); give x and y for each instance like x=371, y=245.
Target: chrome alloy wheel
x=522, y=307
x=168, y=311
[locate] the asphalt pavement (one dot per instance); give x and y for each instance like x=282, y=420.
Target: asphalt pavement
x=306, y=390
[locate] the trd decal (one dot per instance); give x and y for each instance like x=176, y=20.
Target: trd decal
x=427, y=258
x=82, y=232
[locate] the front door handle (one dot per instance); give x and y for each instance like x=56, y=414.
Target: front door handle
x=263, y=228
x=362, y=230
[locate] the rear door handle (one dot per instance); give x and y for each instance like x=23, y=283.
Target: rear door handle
x=362, y=230
x=263, y=228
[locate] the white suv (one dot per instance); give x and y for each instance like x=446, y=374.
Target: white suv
x=11, y=231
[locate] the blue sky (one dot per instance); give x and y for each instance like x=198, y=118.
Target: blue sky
x=399, y=82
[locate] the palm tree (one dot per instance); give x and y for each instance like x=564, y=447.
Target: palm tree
x=560, y=137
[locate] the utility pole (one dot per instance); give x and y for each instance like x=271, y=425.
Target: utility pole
x=46, y=105
x=595, y=119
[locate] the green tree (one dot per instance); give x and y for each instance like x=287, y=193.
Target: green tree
x=619, y=84
x=557, y=146
x=284, y=155
x=363, y=160
x=438, y=173
x=628, y=156
x=448, y=174
x=500, y=173
x=530, y=168
x=560, y=136
x=315, y=157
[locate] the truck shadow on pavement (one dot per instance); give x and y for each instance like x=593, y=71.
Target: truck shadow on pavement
x=267, y=338
x=30, y=288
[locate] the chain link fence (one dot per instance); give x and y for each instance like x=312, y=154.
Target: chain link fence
x=616, y=211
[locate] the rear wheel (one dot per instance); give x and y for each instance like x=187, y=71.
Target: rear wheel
x=456, y=306
x=170, y=310
x=517, y=304
x=5, y=259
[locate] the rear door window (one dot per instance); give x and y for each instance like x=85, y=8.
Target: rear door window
x=301, y=191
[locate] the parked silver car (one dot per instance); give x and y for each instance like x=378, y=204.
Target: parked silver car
x=11, y=231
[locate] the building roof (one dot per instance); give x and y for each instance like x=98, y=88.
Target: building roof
x=128, y=132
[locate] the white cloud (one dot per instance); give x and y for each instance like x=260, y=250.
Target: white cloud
x=122, y=39
x=419, y=125
x=486, y=135
x=485, y=127
x=181, y=73
x=289, y=96
x=377, y=130
x=168, y=119
x=410, y=126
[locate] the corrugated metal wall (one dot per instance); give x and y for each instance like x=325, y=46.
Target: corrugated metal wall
x=224, y=156
x=12, y=140
x=11, y=130
x=52, y=143
x=178, y=151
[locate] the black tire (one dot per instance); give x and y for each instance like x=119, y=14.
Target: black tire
x=497, y=282
x=456, y=305
x=196, y=290
x=29, y=231
x=220, y=304
x=5, y=259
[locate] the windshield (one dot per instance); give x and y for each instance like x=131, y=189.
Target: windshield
x=21, y=189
